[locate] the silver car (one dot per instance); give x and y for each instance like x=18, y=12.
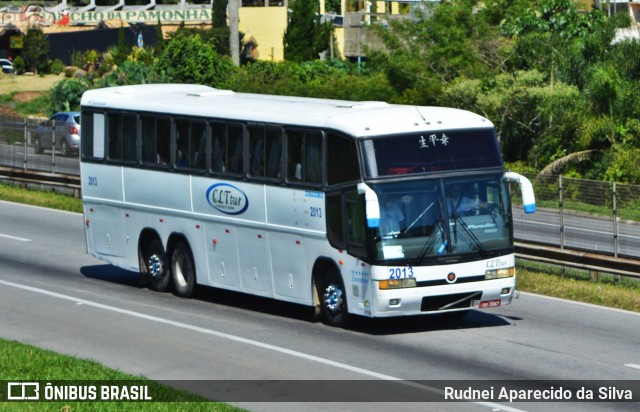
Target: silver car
x=7, y=65
x=67, y=133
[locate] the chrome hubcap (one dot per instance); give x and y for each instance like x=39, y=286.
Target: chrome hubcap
x=333, y=298
x=155, y=266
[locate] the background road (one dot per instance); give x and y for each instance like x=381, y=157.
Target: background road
x=54, y=296
x=584, y=232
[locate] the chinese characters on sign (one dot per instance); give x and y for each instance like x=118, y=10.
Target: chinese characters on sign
x=433, y=140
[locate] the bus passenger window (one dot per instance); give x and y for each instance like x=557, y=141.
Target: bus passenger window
x=198, y=145
x=227, y=141
x=182, y=144
x=122, y=137
x=88, y=122
x=304, y=156
x=265, y=152
x=342, y=160
x=155, y=141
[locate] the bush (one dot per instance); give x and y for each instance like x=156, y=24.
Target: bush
x=66, y=95
x=57, y=66
x=19, y=65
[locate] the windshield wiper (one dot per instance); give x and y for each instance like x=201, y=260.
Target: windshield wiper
x=432, y=237
x=469, y=235
x=428, y=245
x=419, y=216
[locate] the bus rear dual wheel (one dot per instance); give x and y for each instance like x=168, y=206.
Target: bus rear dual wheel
x=162, y=272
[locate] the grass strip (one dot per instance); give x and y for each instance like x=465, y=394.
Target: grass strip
x=22, y=362
x=50, y=199
x=608, y=291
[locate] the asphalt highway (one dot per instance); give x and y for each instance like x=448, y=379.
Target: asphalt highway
x=53, y=295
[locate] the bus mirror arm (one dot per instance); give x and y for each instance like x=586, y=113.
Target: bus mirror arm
x=526, y=188
x=372, y=207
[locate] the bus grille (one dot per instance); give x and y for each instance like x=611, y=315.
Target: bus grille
x=455, y=301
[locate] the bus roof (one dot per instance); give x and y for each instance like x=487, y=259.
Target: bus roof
x=354, y=118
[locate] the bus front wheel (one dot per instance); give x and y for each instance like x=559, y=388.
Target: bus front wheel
x=333, y=299
x=155, y=266
x=183, y=270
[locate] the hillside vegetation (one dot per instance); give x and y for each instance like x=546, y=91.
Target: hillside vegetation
x=558, y=86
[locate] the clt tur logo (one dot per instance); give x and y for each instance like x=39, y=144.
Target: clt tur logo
x=227, y=198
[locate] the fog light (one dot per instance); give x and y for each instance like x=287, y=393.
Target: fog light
x=505, y=291
x=394, y=302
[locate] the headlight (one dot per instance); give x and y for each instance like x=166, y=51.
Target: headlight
x=397, y=283
x=500, y=273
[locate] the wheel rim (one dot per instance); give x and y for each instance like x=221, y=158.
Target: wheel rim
x=333, y=298
x=155, y=267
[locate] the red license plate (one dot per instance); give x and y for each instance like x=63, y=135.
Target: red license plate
x=490, y=303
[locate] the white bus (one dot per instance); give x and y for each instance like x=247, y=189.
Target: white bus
x=360, y=208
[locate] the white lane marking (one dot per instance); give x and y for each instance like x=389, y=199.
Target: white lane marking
x=302, y=355
x=19, y=239
x=632, y=365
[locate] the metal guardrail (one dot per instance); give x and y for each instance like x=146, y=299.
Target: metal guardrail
x=32, y=177
x=577, y=259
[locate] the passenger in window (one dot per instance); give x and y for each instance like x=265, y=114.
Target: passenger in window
x=461, y=202
x=181, y=160
x=160, y=160
x=391, y=217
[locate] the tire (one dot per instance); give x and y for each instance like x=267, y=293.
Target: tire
x=183, y=270
x=37, y=145
x=333, y=299
x=155, y=266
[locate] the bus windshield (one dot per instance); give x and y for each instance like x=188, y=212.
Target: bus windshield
x=443, y=219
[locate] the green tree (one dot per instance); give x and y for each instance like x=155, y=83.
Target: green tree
x=536, y=122
x=219, y=13
x=35, y=50
x=66, y=95
x=219, y=32
x=160, y=42
x=306, y=37
x=188, y=59
x=122, y=49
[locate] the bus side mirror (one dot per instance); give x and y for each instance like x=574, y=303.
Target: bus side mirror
x=526, y=188
x=372, y=207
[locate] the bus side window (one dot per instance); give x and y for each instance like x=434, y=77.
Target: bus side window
x=304, y=156
x=198, y=145
x=92, y=123
x=191, y=140
x=183, y=143
x=235, y=151
x=156, y=133
x=342, y=160
x=122, y=137
x=227, y=142
x=265, y=152
x=219, y=150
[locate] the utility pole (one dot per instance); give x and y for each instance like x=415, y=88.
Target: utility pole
x=234, y=41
